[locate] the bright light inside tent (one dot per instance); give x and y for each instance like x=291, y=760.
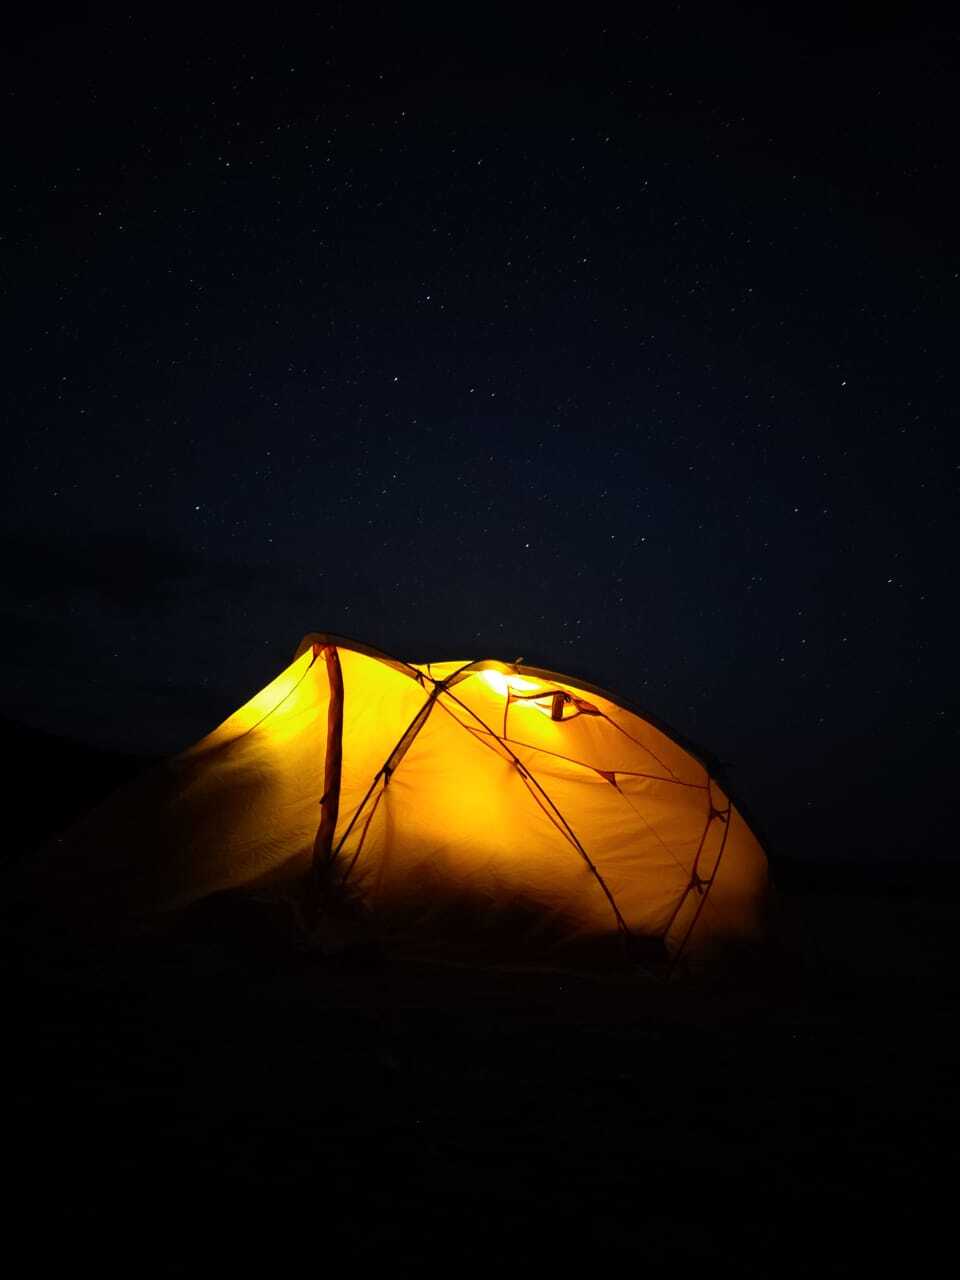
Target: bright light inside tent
x=503, y=684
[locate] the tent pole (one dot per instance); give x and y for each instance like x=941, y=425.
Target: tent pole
x=332, y=770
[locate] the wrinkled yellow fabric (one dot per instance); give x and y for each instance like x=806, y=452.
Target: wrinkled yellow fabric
x=461, y=829
x=238, y=807
x=497, y=823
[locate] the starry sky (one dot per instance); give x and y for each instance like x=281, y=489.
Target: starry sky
x=626, y=348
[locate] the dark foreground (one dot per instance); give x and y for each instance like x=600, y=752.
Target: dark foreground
x=204, y=1107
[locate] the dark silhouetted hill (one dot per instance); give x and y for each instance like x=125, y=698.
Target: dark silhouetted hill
x=52, y=781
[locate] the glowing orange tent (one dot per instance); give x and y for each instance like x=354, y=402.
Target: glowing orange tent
x=456, y=807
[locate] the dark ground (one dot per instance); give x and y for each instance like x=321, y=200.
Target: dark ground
x=223, y=1102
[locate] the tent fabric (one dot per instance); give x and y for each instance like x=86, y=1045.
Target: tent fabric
x=470, y=807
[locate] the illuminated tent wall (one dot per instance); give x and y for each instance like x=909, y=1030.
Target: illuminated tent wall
x=453, y=806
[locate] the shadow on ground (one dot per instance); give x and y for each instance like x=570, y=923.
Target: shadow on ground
x=224, y=1102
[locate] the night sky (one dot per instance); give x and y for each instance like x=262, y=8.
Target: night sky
x=469, y=332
